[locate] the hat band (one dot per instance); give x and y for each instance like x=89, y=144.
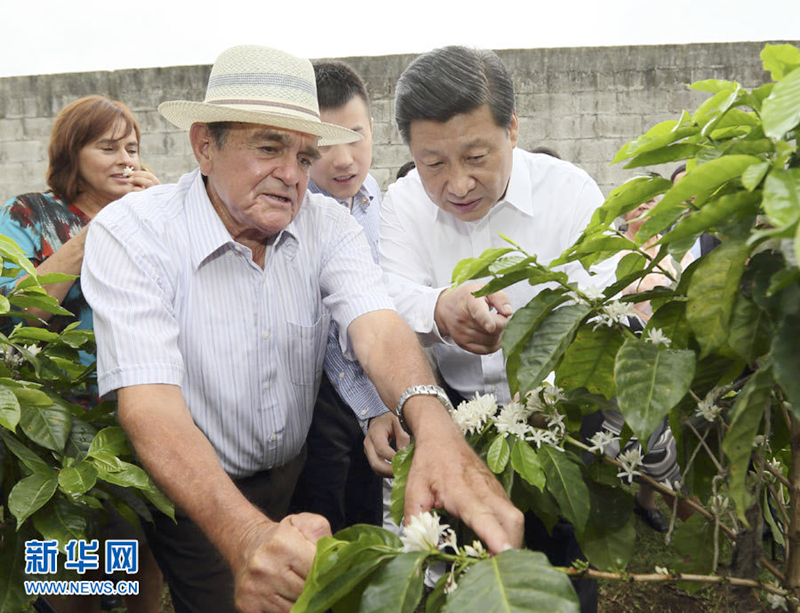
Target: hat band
x=291, y=107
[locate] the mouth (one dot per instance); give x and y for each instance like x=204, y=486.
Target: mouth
x=465, y=206
x=344, y=178
x=121, y=177
x=279, y=200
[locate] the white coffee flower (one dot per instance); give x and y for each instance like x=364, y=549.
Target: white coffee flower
x=450, y=584
x=448, y=540
x=127, y=171
x=718, y=504
x=552, y=394
x=473, y=414
x=601, y=440
x=593, y=293
x=476, y=550
x=776, y=601
x=615, y=312
x=630, y=460
x=33, y=349
x=555, y=422
x=660, y=570
x=12, y=357
x=533, y=401
x=422, y=533
x=758, y=440
x=707, y=409
x=657, y=337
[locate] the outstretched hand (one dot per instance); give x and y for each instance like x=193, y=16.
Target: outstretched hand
x=474, y=324
x=377, y=443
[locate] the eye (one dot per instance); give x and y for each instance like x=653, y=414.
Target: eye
x=268, y=149
x=476, y=158
x=434, y=164
x=306, y=162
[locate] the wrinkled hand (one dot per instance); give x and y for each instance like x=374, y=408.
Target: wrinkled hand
x=382, y=430
x=470, y=321
x=142, y=179
x=446, y=473
x=273, y=567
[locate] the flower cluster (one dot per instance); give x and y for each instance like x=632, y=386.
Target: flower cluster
x=513, y=419
x=423, y=532
x=472, y=415
x=615, y=312
x=600, y=440
x=707, y=408
x=657, y=337
x=631, y=460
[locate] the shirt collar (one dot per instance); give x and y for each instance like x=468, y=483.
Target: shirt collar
x=208, y=232
x=518, y=192
x=362, y=198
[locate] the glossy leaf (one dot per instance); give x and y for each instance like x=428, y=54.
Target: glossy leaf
x=12, y=562
x=61, y=520
x=753, y=175
x=660, y=135
x=745, y=417
x=548, y=344
x=498, y=455
x=628, y=196
x=26, y=456
x=401, y=465
x=515, y=581
x=589, y=361
x=717, y=212
x=32, y=397
x=471, y=268
x=527, y=465
x=9, y=409
x=782, y=197
x=780, y=111
x=396, y=587
x=160, y=501
x=780, y=60
x=46, y=426
x=786, y=359
x=671, y=320
x=630, y=264
x=110, y=440
x=30, y=494
x=694, y=541
x=670, y=153
x=565, y=483
x=129, y=475
x=749, y=329
x=712, y=291
x=650, y=382
x=609, y=550
x=81, y=436
x=78, y=478
x=525, y=321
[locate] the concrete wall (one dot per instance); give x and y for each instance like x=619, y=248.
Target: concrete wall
x=584, y=102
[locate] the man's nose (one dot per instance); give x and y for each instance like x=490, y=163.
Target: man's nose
x=341, y=156
x=288, y=171
x=460, y=182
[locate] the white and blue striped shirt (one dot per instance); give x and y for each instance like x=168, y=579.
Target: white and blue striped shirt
x=347, y=376
x=177, y=301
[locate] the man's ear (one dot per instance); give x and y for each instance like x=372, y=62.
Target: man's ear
x=513, y=129
x=202, y=145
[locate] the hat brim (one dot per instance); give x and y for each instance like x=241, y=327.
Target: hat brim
x=184, y=113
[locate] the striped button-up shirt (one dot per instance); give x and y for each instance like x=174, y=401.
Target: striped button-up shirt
x=347, y=376
x=178, y=301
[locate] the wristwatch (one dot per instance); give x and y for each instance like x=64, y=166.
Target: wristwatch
x=422, y=390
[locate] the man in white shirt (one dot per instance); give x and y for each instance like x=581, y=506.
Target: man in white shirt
x=455, y=109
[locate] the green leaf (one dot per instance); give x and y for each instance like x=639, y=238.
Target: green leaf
x=589, y=361
x=32, y=397
x=160, y=501
x=749, y=329
x=780, y=60
x=786, y=359
x=476, y=268
x=660, y=135
x=106, y=462
x=527, y=465
x=752, y=176
x=782, y=197
x=777, y=533
x=397, y=586
x=30, y=494
x=81, y=436
x=13, y=253
x=498, y=455
x=525, y=321
x=650, y=383
x=76, y=338
x=780, y=112
x=712, y=291
x=61, y=520
x=565, y=483
x=9, y=409
x=671, y=320
x=670, y=153
x=5, y=305
x=110, y=440
x=745, y=417
x=781, y=279
x=401, y=465
x=26, y=456
x=515, y=581
x=717, y=212
x=29, y=333
x=12, y=560
x=129, y=475
x=548, y=344
x=39, y=301
x=609, y=550
x=78, y=478
x=694, y=541
x=628, y=196
x=47, y=426
x=630, y=264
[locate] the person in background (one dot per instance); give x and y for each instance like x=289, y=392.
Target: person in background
x=337, y=480
x=405, y=169
x=93, y=160
x=707, y=241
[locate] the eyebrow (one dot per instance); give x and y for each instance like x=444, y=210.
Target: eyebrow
x=476, y=142
x=285, y=139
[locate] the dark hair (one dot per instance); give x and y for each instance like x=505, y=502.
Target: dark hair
x=677, y=171
x=547, y=151
x=405, y=169
x=78, y=124
x=337, y=83
x=219, y=131
x=449, y=81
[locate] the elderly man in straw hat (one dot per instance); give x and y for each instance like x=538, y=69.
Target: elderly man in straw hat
x=212, y=301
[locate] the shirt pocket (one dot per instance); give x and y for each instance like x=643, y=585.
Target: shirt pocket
x=307, y=350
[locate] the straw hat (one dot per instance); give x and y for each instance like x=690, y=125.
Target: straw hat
x=253, y=84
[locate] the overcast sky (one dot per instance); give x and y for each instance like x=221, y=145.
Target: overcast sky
x=54, y=36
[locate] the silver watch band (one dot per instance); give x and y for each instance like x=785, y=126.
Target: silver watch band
x=422, y=390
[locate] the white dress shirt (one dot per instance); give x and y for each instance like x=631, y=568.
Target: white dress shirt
x=547, y=205
x=176, y=300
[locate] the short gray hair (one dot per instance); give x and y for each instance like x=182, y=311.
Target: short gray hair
x=449, y=81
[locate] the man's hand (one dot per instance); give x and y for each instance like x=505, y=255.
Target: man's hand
x=377, y=444
x=470, y=321
x=446, y=473
x=275, y=562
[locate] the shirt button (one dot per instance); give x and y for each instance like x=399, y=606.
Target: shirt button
x=363, y=412
x=266, y=385
x=273, y=437
x=341, y=375
x=266, y=335
x=492, y=388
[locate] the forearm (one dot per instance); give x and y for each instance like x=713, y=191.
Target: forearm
x=183, y=463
